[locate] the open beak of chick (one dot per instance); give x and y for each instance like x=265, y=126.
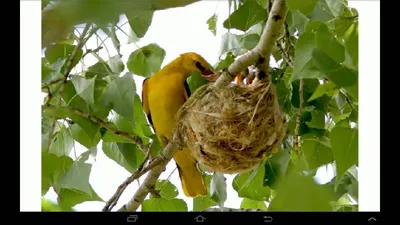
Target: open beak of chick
x=210, y=76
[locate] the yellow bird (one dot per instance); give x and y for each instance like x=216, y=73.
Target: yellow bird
x=162, y=96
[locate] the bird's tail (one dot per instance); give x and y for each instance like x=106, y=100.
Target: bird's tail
x=193, y=183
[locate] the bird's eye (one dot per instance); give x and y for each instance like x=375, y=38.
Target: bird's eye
x=200, y=67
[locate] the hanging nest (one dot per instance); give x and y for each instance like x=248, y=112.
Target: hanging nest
x=234, y=128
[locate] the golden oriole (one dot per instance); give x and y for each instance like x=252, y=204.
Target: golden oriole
x=162, y=96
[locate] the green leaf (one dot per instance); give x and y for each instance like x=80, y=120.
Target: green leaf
x=225, y=63
x=46, y=124
x=195, y=81
x=146, y=60
x=303, y=64
x=90, y=152
x=60, y=51
x=218, y=189
x=72, y=197
x=321, y=12
x=351, y=44
x=341, y=117
x=111, y=32
x=309, y=87
x=155, y=147
x=141, y=126
x=98, y=70
x=53, y=168
x=62, y=143
x=89, y=127
x=283, y=96
x=201, y=203
x=299, y=193
x=250, y=41
x=327, y=43
x=164, y=205
x=212, y=23
x=56, y=112
x=296, y=21
x=304, y=129
x=347, y=185
x=44, y=4
x=53, y=71
x=276, y=167
x=48, y=206
x=337, y=73
x=115, y=63
x=352, y=91
x=83, y=138
x=132, y=38
x=71, y=98
x=347, y=208
x=166, y=189
x=58, y=21
x=251, y=204
x=345, y=149
x=316, y=153
x=250, y=185
x=140, y=21
x=120, y=95
x=328, y=89
x=248, y=14
x=318, y=120
x=123, y=124
x=304, y=6
x=77, y=177
x=257, y=28
x=336, y=7
x=229, y=43
x=110, y=137
x=125, y=154
x=84, y=88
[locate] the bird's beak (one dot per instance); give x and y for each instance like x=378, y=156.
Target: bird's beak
x=210, y=76
x=207, y=72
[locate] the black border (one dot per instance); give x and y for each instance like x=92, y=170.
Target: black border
x=187, y=218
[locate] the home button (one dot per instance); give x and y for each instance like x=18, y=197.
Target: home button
x=200, y=219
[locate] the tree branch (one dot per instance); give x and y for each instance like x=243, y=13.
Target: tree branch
x=264, y=47
x=149, y=183
x=133, y=139
x=52, y=82
x=298, y=117
x=81, y=42
x=92, y=51
x=138, y=173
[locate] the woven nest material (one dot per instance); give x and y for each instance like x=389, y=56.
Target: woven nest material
x=232, y=129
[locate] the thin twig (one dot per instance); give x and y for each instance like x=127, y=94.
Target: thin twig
x=49, y=96
x=121, y=188
x=285, y=55
x=298, y=117
x=66, y=74
x=52, y=82
x=91, y=51
x=81, y=42
x=159, y=163
x=133, y=139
